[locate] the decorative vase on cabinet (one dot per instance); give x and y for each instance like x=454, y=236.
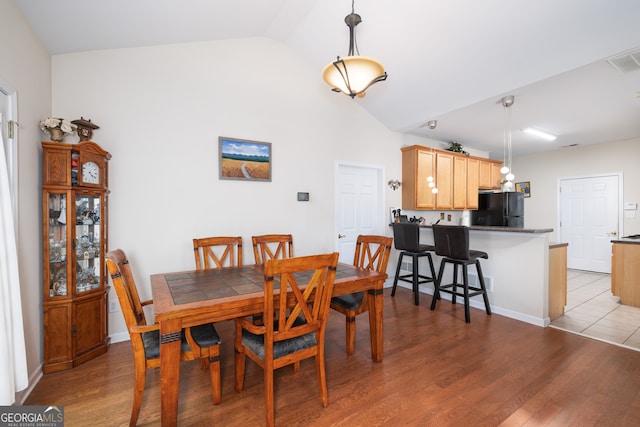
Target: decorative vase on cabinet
x=74, y=205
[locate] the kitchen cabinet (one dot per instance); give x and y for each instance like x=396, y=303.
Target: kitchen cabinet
x=557, y=279
x=444, y=180
x=460, y=171
x=74, y=212
x=625, y=271
x=489, y=175
x=418, y=163
x=472, y=186
x=456, y=177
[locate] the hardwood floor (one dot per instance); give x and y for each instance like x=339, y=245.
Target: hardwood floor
x=437, y=371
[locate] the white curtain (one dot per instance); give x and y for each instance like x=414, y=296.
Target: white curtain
x=13, y=358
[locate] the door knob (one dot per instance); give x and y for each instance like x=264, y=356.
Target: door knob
x=613, y=233
x=340, y=236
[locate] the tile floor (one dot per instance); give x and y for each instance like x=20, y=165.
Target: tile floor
x=592, y=311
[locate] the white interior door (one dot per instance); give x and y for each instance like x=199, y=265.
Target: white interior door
x=589, y=220
x=359, y=206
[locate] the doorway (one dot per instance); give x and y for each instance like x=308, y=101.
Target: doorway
x=359, y=206
x=590, y=219
x=9, y=138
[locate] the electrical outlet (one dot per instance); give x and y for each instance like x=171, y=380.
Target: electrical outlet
x=113, y=306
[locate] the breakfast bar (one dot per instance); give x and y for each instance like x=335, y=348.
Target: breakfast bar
x=516, y=273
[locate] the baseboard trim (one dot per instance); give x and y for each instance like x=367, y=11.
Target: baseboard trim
x=537, y=321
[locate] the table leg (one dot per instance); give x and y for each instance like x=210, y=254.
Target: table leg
x=170, y=331
x=376, y=325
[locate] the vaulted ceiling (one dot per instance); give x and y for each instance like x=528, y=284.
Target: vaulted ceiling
x=450, y=61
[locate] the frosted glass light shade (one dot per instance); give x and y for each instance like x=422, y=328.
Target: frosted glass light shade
x=510, y=177
x=352, y=75
x=504, y=169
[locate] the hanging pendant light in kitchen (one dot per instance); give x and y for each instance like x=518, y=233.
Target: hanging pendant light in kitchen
x=506, y=170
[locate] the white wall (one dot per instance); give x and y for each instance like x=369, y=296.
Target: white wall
x=160, y=111
x=26, y=66
x=544, y=170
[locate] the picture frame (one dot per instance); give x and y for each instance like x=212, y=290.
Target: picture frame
x=244, y=159
x=524, y=187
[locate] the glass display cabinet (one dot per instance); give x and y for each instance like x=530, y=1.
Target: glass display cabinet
x=74, y=201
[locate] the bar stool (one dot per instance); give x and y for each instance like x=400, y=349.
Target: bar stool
x=452, y=243
x=407, y=240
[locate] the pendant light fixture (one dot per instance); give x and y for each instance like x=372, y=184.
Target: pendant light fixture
x=506, y=170
x=353, y=74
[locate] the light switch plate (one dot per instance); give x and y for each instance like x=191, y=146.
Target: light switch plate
x=631, y=206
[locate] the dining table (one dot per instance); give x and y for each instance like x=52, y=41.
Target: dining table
x=188, y=298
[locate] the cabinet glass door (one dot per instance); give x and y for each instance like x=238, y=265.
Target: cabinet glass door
x=57, y=230
x=87, y=244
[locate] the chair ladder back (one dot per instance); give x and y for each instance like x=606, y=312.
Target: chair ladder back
x=217, y=252
x=272, y=246
x=372, y=252
x=309, y=294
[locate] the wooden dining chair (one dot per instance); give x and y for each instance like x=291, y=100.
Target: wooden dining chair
x=217, y=252
x=372, y=253
x=294, y=327
x=198, y=342
x=272, y=246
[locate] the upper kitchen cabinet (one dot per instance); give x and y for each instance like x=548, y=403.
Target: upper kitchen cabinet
x=489, y=175
x=455, y=175
x=465, y=182
x=418, y=163
x=445, y=179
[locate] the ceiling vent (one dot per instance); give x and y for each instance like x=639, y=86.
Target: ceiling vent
x=627, y=62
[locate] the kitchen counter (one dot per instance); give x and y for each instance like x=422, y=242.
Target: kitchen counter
x=627, y=240
x=505, y=229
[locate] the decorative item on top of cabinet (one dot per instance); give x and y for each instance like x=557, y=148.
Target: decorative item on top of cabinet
x=85, y=128
x=74, y=206
x=56, y=128
x=456, y=147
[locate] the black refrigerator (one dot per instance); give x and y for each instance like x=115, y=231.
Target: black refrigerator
x=499, y=209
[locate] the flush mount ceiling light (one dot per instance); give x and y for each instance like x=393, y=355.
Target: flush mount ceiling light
x=353, y=74
x=507, y=182
x=539, y=133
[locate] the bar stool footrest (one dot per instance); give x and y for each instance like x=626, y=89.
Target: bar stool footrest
x=473, y=291
x=409, y=278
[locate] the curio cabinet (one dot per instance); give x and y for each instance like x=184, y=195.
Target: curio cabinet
x=74, y=208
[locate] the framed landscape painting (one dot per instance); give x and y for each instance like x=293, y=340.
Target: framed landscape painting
x=244, y=160
x=524, y=187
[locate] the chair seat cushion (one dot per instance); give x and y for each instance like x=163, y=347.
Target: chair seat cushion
x=255, y=343
x=349, y=301
x=421, y=249
x=477, y=254
x=473, y=257
x=204, y=335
